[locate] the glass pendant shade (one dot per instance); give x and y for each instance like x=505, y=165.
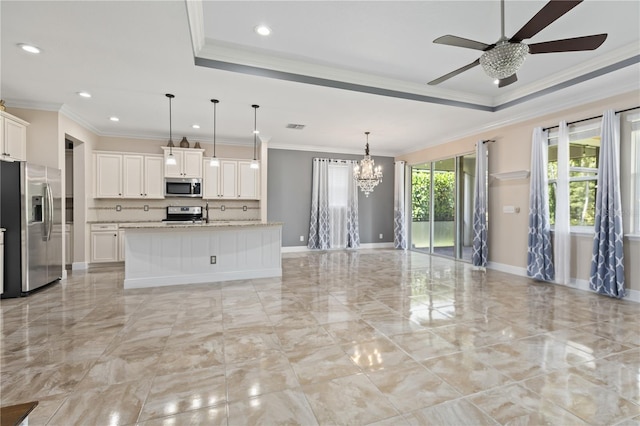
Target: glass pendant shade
x=504, y=60
x=254, y=164
x=367, y=175
x=171, y=160
x=214, y=162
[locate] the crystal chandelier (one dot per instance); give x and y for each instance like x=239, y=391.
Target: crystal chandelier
x=367, y=174
x=504, y=60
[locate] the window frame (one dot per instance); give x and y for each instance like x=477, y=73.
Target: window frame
x=592, y=129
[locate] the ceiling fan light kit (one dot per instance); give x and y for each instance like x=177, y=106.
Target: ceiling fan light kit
x=503, y=59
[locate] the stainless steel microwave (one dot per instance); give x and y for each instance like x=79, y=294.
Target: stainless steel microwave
x=178, y=187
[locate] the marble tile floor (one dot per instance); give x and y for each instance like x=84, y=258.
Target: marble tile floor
x=366, y=337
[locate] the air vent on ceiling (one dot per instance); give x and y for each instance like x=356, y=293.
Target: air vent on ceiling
x=295, y=126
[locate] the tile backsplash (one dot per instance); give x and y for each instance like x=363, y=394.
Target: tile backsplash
x=123, y=210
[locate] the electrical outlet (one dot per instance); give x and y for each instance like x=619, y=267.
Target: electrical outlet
x=221, y=208
x=118, y=208
x=301, y=237
x=146, y=207
x=212, y=260
x=380, y=236
x=244, y=208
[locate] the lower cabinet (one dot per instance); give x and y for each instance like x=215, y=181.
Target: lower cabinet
x=104, y=243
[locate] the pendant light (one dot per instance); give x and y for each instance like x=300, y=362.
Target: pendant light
x=171, y=160
x=214, y=160
x=254, y=162
x=367, y=174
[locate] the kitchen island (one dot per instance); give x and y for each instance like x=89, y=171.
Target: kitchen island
x=164, y=253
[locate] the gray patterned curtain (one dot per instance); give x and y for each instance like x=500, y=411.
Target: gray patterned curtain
x=539, y=252
x=334, y=206
x=480, y=251
x=319, y=227
x=353, y=230
x=607, y=262
x=399, y=209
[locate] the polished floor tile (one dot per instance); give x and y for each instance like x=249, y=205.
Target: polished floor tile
x=375, y=337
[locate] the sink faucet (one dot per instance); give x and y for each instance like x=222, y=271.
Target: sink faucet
x=206, y=209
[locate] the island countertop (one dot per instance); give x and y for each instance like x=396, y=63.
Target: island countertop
x=212, y=224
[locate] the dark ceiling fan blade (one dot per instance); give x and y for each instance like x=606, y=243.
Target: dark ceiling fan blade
x=454, y=73
x=507, y=81
x=576, y=44
x=462, y=42
x=546, y=16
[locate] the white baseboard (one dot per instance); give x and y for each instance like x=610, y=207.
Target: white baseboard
x=294, y=249
x=578, y=284
x=376, y=246
x=509, y=269
x=297, y=249
x=79, y=266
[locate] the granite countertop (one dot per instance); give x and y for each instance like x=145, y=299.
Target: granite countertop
x=212, y=224
x=105, y=222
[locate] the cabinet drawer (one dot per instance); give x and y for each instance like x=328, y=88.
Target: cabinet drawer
x=104, y=227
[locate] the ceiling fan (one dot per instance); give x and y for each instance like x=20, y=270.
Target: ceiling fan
x=502, y=59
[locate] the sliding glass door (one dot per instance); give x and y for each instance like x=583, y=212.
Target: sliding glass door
x=442, y=201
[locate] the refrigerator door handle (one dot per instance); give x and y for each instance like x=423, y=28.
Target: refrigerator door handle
x=49, y=211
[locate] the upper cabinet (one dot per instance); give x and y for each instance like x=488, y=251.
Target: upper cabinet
x=13, y=137
x=233, y=179
x=128, y=175
x=188, y=162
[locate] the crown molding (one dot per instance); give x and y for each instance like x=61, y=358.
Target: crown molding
x=195, y=16
x=40, y=106
x=238, y=58
x=531, y=113
x=69, y=113
x=593, y=65
x=322, y=148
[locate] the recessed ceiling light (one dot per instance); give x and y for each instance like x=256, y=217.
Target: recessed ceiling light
x=256, y=132
x=84, y=94
x=195, y=126
x=496, y=81
x=114, y=118
x=263, y=30
x=29, y=48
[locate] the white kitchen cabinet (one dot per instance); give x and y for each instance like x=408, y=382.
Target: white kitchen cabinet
x=153, y=176
x=128, y=175
x=210, y=181
x=108, y=175
x=104, y=243
x=13, y=137
x=188, y=163
x=228, y=179
x=132, y=176
x=233, y=179
x=248, y=181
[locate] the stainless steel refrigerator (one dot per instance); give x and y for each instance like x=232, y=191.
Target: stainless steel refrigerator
x=31, y=213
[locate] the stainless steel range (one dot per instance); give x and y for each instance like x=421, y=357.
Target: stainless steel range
x=184, y=214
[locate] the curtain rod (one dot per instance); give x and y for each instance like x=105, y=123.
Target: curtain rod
x=488, y=141
x=590, y=118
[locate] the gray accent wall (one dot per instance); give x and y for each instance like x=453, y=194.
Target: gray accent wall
x=289, y=175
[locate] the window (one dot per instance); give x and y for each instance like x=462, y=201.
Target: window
x=582, y=161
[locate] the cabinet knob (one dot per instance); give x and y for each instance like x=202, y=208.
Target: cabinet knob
x=119, y=194
x=115, y=235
